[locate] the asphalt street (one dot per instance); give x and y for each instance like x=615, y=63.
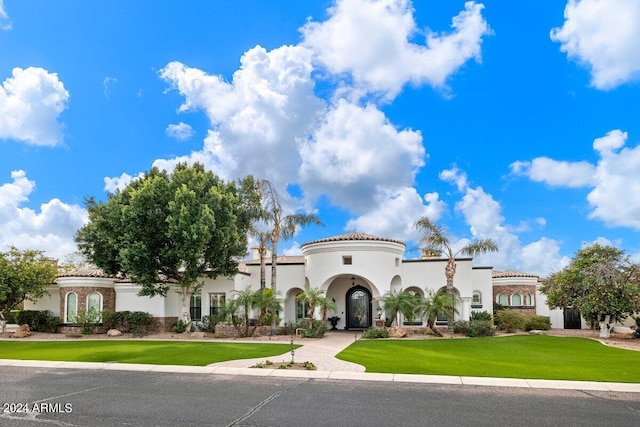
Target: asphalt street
x=35, y=396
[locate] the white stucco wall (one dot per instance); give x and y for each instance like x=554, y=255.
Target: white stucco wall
x=49, y=302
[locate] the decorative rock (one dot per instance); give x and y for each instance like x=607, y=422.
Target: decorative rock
x=113, y=333
x=23, y=331
x=397, y=333
x=537, y=332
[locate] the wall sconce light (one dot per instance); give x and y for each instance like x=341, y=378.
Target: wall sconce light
x=353, y=281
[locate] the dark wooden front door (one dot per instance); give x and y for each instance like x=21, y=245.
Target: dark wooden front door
x=358, y=308
x=572, y=319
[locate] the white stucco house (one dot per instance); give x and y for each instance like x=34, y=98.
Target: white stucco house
x=356, y=270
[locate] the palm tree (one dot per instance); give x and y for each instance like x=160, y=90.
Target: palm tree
x=312, y=297
x=405, y=303
x=435, y=243
x=438, y=304
x=281, y=227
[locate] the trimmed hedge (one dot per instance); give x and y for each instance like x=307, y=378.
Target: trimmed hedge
x=375, y=333
x=541, y=323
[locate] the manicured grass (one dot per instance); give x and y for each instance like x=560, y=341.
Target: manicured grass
x=523, y=356
x=146, y=352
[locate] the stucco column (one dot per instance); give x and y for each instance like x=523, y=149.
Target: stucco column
x=466, y=308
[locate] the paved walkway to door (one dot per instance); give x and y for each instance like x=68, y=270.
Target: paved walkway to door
x=320, y=352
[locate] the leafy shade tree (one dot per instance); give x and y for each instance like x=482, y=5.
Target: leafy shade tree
x=600, y=282
x=280, y=226
x=24, y=275
x=434, y=242
x=171, y=229
x=405, y=303
x=437, y=304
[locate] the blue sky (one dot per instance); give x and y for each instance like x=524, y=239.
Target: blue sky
x=515, y=121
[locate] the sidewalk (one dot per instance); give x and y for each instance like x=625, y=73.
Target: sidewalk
x=321, y=353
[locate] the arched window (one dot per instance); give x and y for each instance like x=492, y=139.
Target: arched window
x=516, y=300
x=529, y=300
x=502, y=300
x=477, y=298
x=71, y=308
x=301, y=308
x=94, y=306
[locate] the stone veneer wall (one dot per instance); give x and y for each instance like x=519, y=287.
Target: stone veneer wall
x=522, y=290
x=166, y=323
x=108, y=298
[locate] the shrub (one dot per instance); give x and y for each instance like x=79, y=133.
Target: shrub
x=12, y=317
x=179, y=327
x=509, y=320
x=460, y=327
x=480, y=328
x=116, y=320
x=38, y=320
x=88, y=320
x=636, y=328
x=542, y=323
x=139, y=323
x=318, y=329
x=481, y=315
x=375, y=333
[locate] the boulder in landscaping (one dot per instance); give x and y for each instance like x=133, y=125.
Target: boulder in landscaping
x=397, y=332
x=113, y=333
x=23, y=331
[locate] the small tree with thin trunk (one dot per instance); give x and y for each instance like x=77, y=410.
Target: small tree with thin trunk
x=435, y=242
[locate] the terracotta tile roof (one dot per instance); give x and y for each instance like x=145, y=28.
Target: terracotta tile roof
x=84, y=272
x=354, y=236
x=511, y=273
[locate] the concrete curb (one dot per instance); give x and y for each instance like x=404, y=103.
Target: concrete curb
x=336, y=375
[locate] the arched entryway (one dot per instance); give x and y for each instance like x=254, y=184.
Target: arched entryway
x=358, y=306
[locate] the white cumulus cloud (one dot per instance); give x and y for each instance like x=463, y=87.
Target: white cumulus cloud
x=483, y=215
x=372, y=41
x=556, y=173
x=180, y=131
x=612, y=180
x=30, y=105
x=394, y=214
x=51, y=229
x=118, y=183
x=604, y=35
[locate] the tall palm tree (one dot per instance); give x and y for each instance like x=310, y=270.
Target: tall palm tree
x=435, y=243
x=281, y=227
x=437, y=304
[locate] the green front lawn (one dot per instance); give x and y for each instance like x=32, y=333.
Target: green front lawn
x=526, y=356
x=146, y=352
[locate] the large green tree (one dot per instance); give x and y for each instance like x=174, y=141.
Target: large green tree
x=280, y=226
x=434, y=242
x=171, y=229
x=601, y=282
x=24, y=275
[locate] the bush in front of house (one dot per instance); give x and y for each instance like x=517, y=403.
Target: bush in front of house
x=318, y=329
x=38, y=320
x=139, y=323
x=636, y=328
x=480, y=328
x=460, y=327
x=540, y=323
x=481, y=315
x=375, y=333
x=509, y=320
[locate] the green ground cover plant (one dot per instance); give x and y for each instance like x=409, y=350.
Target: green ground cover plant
x=145, y=352
x=541, y=357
